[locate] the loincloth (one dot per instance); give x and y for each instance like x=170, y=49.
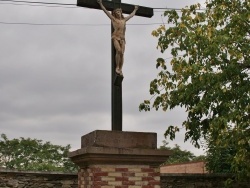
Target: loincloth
x=120, y=39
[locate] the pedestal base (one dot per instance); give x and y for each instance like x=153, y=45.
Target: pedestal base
x=116, y=159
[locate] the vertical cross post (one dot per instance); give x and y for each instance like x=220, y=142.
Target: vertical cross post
x=116, y=85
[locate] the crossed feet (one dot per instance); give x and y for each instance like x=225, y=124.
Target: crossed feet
x=118, y=71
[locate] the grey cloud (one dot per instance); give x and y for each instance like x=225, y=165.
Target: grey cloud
x=55, y=80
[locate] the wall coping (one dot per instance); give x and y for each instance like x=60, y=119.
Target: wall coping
x=183, y=163
x=196, y=175
x=37, y=172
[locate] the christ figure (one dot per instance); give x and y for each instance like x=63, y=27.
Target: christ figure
x=118, y=36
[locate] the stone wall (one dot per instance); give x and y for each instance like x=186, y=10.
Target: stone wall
x=197, y=181
x=19, y=179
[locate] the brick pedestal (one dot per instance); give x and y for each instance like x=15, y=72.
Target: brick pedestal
x=119, y=176
x=114, y=159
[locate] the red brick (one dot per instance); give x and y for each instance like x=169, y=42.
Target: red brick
x=148, y=170
x=100, y=183
x=121, y=169
x=154, y=183
x=123, y=186
x=148, y=186
x=100, y=174
x=148, y=179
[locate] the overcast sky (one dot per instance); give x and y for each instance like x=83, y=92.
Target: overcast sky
x=55, y=80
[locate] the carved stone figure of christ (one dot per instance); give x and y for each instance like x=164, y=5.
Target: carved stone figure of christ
x=118, y=36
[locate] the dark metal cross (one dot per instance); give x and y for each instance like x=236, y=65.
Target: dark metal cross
x=116, y=81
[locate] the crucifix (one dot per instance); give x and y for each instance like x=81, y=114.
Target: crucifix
x=117, y=43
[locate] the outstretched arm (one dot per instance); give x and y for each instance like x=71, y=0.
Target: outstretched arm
x=132, y=14
x=104, y=9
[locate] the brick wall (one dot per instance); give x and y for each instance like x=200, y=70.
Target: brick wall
x=20, y=179
x=119, y=176
x=191, y=167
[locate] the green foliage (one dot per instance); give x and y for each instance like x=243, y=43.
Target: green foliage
x=219, y=159
x=33, y=154
x=179, y=155
x=209, y=77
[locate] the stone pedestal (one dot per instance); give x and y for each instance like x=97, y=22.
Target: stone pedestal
x=115, y=159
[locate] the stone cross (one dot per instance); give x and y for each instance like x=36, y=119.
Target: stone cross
x=116, y=81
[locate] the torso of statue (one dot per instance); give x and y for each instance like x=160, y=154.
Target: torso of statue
x=119, y=26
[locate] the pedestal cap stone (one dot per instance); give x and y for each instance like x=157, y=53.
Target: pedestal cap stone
x=116, y=147
x=119, y=139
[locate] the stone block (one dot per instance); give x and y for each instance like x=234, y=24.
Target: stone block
x=119, y=139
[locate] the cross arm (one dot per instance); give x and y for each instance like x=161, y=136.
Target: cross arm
x=109, y=5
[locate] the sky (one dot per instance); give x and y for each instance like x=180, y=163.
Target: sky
x=55, y=76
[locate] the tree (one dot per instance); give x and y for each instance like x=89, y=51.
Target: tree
x=180, y=156
x=209, y=77
x=219, y=158
x=33, y=154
